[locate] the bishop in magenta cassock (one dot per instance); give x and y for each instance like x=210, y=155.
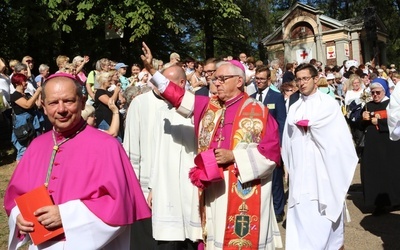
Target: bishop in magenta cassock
x=91, y=180
x=238, y=148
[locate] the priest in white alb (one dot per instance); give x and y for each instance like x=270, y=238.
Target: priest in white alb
x=173, y=198
x=319, y=154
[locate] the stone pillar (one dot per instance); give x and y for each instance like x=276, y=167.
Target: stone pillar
x=288, y=51
x=318, y=40
x=320, y=49
x=340, y=54
x=355, y=43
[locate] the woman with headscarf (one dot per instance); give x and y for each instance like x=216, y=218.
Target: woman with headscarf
x=379, y=162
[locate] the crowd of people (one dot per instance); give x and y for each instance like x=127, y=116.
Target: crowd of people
x=201, y=150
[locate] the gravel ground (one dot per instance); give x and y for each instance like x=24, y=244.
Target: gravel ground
x=367, y=232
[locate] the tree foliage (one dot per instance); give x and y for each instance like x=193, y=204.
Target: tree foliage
x=200, y=29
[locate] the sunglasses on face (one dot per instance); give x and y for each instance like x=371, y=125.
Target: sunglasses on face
x=376, y=92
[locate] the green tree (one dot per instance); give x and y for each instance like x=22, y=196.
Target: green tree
x=200, y=29
x=144, y=19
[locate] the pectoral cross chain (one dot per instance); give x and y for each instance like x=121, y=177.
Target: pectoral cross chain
x=219, y=140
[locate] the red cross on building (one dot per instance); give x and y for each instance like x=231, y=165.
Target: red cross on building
x=304, y=54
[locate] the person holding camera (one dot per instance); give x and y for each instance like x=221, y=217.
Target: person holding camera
x=26, y=124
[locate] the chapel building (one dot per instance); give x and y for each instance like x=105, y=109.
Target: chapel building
x=307, y=33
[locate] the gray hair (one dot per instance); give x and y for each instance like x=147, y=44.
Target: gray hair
x=130, y=93
x=235, y=70
x=43, y=67
x=145, y=89
x=19, y=67
x=274, y=62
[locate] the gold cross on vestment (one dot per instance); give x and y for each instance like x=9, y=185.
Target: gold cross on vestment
x=251, y=114
x=243, y=226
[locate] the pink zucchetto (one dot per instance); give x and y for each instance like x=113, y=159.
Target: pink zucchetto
x=237, y=64
x=61, y=74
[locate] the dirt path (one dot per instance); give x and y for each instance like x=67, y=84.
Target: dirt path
x=367, y=232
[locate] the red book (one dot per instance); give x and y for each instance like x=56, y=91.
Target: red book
x=28, y=203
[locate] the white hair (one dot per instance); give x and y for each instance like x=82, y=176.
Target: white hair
x=43, y=67
x=77, y=59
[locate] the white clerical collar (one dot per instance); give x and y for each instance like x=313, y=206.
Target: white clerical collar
x=309, y=97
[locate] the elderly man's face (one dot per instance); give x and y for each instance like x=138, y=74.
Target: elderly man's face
x=62, y=105
x=228, y=84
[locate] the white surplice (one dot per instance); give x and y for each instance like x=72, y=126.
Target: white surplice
x=393, y=110
x=139, y=128
x=82, y=229
x=175, y=214
x=321, y=161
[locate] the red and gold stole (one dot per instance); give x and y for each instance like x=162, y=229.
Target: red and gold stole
x=244, y=199
x=243, y=212
x=209, y=123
